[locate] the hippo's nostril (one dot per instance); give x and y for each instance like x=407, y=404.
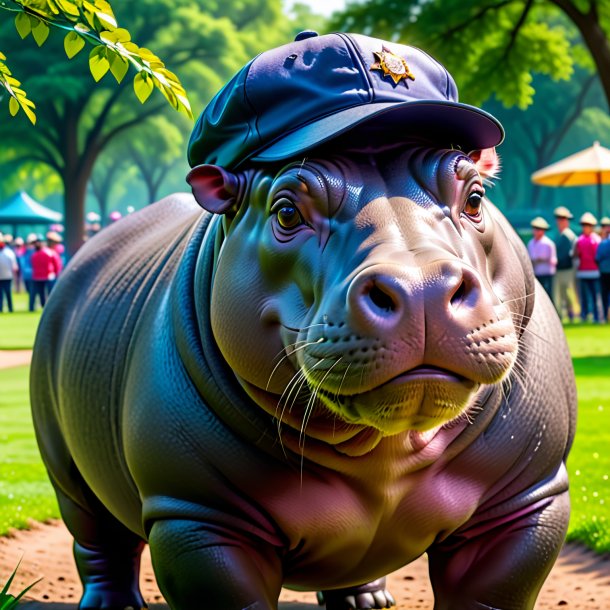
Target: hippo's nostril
x=458, y=295
x=381, y=299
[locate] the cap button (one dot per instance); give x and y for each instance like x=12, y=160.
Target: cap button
x=305, y=34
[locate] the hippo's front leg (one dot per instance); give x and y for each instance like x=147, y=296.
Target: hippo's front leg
x=502, y=568
x=198, y=565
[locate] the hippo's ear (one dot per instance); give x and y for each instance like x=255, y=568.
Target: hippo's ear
x=487, y=162
x=214, y=188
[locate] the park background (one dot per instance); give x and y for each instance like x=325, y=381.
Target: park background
x=537, y=65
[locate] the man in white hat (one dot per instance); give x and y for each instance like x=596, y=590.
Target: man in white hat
x=543, y=254
x=564, y=285
x=587, y=272
x=602, y=258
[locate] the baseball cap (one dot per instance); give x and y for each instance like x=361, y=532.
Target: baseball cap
x=301, y=95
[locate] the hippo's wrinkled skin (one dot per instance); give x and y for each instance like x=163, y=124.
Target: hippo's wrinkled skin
x=352, y=367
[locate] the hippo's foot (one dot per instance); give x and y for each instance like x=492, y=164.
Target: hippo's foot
x=97, y=596
x=371, y=595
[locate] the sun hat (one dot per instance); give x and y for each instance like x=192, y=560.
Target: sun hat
x=54, y=236
x=539, y=223
x=562, y=212
x=605, y=221
x=301, y=95
x=588, y=219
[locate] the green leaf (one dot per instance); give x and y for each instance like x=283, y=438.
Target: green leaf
x=13, y=106
x=143, y=86
x=98, y=63
x=118, y=66
x=40, y=32
x=73, y=43
x=23, y=25
x=106, y=20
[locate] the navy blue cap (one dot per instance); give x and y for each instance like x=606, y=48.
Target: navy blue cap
x=305, y=94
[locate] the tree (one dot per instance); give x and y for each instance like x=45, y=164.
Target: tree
x=156, y=150
x=492, y=47
x=206, y=41
x=92, y=21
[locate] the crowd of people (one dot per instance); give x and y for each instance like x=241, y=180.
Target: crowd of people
x=30, y=265
x=574, y=270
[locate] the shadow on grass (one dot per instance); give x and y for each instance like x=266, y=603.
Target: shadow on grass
x=591, y=366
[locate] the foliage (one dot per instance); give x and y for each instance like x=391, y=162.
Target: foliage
x=491, y=47
x=206, y=40
x=92, y=21
x=8, y=601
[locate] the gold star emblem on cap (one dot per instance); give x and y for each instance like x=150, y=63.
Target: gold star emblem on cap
x=391, y=65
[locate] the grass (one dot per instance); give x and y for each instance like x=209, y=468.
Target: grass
x=17, y=329
x=25, y=492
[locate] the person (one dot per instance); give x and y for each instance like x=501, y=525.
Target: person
x=587, y=272
x=602, y=258
x=8, y=268
x=25, y=261
x=543, y=254
x=564, y=287
x=45, y=266
x=18, y=249
x=54, y=243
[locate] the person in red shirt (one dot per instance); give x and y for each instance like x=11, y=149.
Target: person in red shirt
x=46, y=266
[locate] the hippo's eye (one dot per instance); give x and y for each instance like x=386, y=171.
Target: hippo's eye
x=288, y=215
x=473, y=205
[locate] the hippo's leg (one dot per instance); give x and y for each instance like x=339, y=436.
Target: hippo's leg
x=199, y=565
x=503, y=567
x=107, y=556
x=371, y=595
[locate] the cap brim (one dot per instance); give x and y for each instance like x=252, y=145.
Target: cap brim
x=449, y=123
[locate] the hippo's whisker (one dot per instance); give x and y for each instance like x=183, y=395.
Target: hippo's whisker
x=342, y=380
x=288, y=354
x=522, y=298
x=312, y=400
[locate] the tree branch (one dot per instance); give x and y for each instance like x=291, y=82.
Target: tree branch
x=515, y=30
x=552, y=145
x=120, y=128
x=478, y=15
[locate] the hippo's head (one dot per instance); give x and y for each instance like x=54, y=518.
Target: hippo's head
x=364, y=286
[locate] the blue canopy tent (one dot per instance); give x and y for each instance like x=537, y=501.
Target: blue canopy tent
x=21, y=209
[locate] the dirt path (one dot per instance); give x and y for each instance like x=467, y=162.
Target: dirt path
x=11, y=358
x=579, y=581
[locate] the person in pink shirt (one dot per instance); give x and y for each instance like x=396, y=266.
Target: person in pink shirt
x=587, y=271
x=46, y=266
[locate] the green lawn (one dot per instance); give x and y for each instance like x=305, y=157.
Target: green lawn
x=25, y=492
x=17, y=329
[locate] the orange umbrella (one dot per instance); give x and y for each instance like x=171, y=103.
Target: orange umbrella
x=589, y=166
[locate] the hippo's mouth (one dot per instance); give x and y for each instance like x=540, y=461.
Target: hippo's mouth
x=425, y=372
x=421, y=398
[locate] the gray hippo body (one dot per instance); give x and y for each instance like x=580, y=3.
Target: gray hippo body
x=351, y=367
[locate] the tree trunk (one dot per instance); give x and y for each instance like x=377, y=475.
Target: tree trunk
x=75, y=191
x=595, y=38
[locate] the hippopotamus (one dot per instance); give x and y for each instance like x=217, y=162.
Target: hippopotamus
x=330, y=358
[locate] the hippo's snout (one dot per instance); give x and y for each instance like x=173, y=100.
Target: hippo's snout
x=385, y=298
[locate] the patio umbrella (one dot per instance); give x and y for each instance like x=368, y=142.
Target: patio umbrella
x=587, y=167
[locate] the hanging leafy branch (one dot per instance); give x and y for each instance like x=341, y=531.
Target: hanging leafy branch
x=90, y=21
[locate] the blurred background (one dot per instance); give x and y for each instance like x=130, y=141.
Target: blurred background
x=97, y=151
